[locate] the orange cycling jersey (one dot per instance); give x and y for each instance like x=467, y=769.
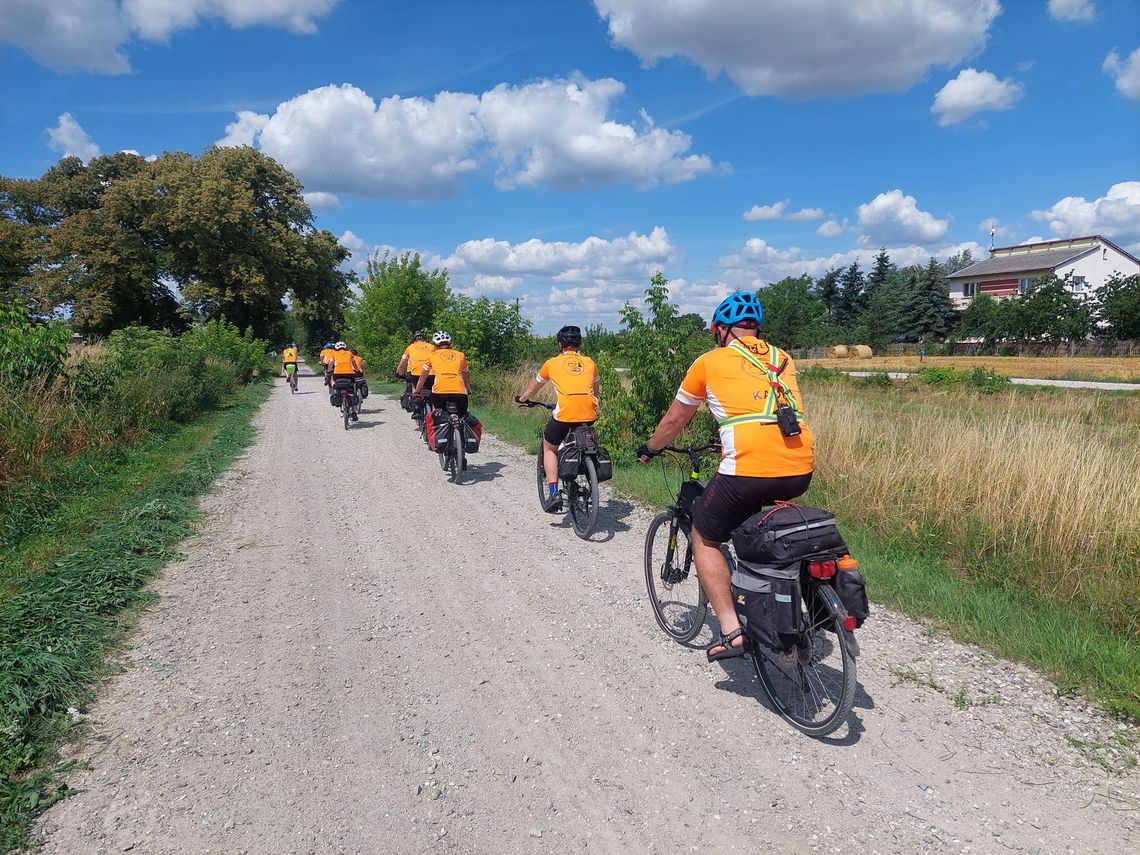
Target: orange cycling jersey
x=444, y=365
x=359, y=364
x=326, y=355
x=419, y=354
x=573, y=377
x=737, y=391
x=342, y=362
x=289, y=355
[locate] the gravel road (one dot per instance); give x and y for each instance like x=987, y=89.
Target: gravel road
x=420, y=667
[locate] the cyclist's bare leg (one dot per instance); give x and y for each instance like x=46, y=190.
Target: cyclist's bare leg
x=712, y=570
x=550, y=462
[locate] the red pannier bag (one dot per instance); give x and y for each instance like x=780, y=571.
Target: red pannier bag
x=474, y=433
x=438, y=428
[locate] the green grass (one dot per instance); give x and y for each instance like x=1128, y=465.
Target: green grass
x=70, y=600
x=1073, y=647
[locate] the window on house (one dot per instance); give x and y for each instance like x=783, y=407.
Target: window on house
x=969, y=289
x=1078, y=284
x=1023, y=284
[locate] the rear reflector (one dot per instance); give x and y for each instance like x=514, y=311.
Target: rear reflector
x=849, y=623
x=822, y=569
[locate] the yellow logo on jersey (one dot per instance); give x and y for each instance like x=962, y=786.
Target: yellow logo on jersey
x=574, y=366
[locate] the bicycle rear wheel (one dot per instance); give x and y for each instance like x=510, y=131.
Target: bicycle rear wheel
x=459, y=458
x=582, y=495
x=812, y=686
x=679, y=603
x=345, y=410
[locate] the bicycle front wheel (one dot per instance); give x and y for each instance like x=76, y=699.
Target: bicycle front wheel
x=582, y=494
x=679, y=603
x=812, y=685
x=541, y=478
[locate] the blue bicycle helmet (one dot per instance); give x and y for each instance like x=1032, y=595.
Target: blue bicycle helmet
x=328, y=344
x=741, y=309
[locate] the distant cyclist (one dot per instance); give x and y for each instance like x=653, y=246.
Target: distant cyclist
x=415, y=360
x=361, y=383
x=750, y=388
x=341, y=368
x=448, y=371
x=289, y=358
x=326, y=354
x=575, y=377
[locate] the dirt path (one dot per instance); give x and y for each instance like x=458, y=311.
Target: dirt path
x=1102, y=385
x=422, y=667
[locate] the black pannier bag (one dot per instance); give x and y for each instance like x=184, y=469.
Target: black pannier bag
x=363, y=389
x=474, y=434
x=852, y=591
x=406, y=402
x=569, y=458
x=767, y=602
x=785, y=534
x=604, y=465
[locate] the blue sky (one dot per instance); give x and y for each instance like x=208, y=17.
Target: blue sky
x=560, y=151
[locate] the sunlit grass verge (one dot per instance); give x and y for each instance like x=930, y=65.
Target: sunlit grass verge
x=1072, y=640
x=59, y=622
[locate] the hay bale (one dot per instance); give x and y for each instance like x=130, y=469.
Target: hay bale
x=861, y=351
x=837, y=352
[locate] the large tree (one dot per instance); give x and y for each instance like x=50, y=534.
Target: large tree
x=1051, y=312
x=852, y=300
x=397, y=297
x=927, y=310
x=1119, y=306
x=792, y=313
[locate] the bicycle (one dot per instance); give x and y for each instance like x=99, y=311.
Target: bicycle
x=291, y=376
x=349, y=403
x=811, y=680
x=580, y=489
x=453, y=459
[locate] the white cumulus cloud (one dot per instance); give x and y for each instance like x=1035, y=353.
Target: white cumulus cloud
x=776, y=210
x=69, y=138
x=832, y=228
x=1126, y=73
x=556, y=134
x=90, y=34
x=971, y=92
x=1115, y=215
x=588, y=280
x=157, y=19
x=322, y=202
x=893, y=217
x=1072, y=10
x=759, y=263
x=766, y=212
x=805, y=49
x=68, y=33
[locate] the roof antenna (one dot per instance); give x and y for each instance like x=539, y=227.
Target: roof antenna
x=993, y=231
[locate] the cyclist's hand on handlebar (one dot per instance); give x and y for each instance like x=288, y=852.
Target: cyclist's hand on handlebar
x=645, y=453
x=519, y=400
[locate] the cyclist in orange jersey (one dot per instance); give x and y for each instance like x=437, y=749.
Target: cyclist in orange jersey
x=767, y=449
x=575, y=377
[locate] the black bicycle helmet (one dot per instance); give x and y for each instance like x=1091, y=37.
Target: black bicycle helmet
x=418, y=336
x=570, y=336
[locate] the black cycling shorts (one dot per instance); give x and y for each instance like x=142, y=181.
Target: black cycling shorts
x=556, y=432
x=413, y=379
x=729, y=500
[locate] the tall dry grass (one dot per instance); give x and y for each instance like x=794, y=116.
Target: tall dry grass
x=1061, y=368
x=1045, y=496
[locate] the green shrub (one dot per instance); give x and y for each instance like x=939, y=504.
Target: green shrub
x=986, y=381
x=937, y=375
x=876, y=380
x=30, y=351
x=822, y=374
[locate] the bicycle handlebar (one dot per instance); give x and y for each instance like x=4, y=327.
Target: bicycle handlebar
x=542, y=404
x=694, y=453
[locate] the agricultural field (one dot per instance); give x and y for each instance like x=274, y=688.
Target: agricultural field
x=1126, y=369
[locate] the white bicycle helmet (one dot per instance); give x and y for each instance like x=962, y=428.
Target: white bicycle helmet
x=339, y=345
x=440, y=337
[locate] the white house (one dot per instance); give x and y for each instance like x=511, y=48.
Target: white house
x=1010, y=270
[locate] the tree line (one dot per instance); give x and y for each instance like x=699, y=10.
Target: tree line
x=167, y=242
